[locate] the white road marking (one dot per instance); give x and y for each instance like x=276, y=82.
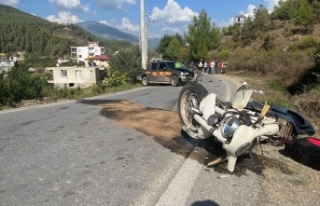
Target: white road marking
x=181, y=185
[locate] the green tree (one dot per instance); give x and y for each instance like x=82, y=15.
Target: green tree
x=245, y=32
x=202, y=36
x=174, y=49
x=302, y=11
x=254, y=26
x=125, y=65
x=4, y=90
x=164, y=44
x=304, y=15
x=285, y=9
x=215, y=37
x=262, y=19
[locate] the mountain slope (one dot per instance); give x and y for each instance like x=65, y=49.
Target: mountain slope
x=21, y=31
x=107, y=32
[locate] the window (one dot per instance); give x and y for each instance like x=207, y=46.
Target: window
x=79, y=56
x=78, y=73
x=171, y=65
x=162, y=66
x=63, y=73
x=50, y=75
x=154, y=66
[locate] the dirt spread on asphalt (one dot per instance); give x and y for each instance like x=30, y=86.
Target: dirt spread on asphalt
x=162, y=125
x=285, y=181
x=153, y=122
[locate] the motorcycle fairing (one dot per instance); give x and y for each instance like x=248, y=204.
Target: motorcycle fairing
x=241, y=97
x=207, y=105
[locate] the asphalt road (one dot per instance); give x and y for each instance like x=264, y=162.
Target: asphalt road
x=68, y=153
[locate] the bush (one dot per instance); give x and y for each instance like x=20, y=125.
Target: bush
x=306, y=43
x=124, y=66
x=224, y=54
x=99, y=88
x=116, y=79
x=19, y=84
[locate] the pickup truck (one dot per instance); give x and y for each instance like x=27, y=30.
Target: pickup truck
x=169, y=72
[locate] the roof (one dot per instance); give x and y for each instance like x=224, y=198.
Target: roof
x=102, y=57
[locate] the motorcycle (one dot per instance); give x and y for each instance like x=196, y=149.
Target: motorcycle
x=238, y=127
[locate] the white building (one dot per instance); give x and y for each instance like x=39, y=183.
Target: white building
x=239, y=19
x=75, y=76
x=7, y=64
x=84, y=52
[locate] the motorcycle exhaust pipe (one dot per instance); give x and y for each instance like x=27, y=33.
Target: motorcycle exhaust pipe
x=217, y=161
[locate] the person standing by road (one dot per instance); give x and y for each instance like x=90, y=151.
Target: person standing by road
x=200, y=67
x=221, y=66
x=212, y=67
x=224, y=67
x=205, y=67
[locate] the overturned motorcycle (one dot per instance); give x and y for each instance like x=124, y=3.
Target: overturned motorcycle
x=239, y=126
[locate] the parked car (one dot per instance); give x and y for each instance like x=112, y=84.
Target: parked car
x=170, y=72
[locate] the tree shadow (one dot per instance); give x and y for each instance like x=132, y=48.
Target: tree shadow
x=307, y=81
x=303, y=154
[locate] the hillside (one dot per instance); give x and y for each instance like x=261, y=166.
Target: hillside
x=283, y=63
x=20, y=31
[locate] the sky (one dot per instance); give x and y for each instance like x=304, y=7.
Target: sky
x=162, y=16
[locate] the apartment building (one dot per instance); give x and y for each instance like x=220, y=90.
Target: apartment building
x=82, y=53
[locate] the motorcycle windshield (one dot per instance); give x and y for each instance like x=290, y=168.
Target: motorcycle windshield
x=241, y=97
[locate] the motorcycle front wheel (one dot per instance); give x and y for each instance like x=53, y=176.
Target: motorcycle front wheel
x=190, y=97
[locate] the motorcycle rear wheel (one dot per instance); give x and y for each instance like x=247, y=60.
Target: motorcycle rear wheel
x=190, y=97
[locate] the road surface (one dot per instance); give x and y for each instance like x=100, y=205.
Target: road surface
x=68, y=153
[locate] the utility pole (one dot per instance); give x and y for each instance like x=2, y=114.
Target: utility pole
x=143, y=39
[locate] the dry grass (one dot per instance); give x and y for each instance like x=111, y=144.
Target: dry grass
x=286, y=73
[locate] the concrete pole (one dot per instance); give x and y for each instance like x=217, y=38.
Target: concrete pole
x=143, y=42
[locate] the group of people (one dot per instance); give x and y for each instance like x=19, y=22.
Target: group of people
x=212, y=67
x=209, y=67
